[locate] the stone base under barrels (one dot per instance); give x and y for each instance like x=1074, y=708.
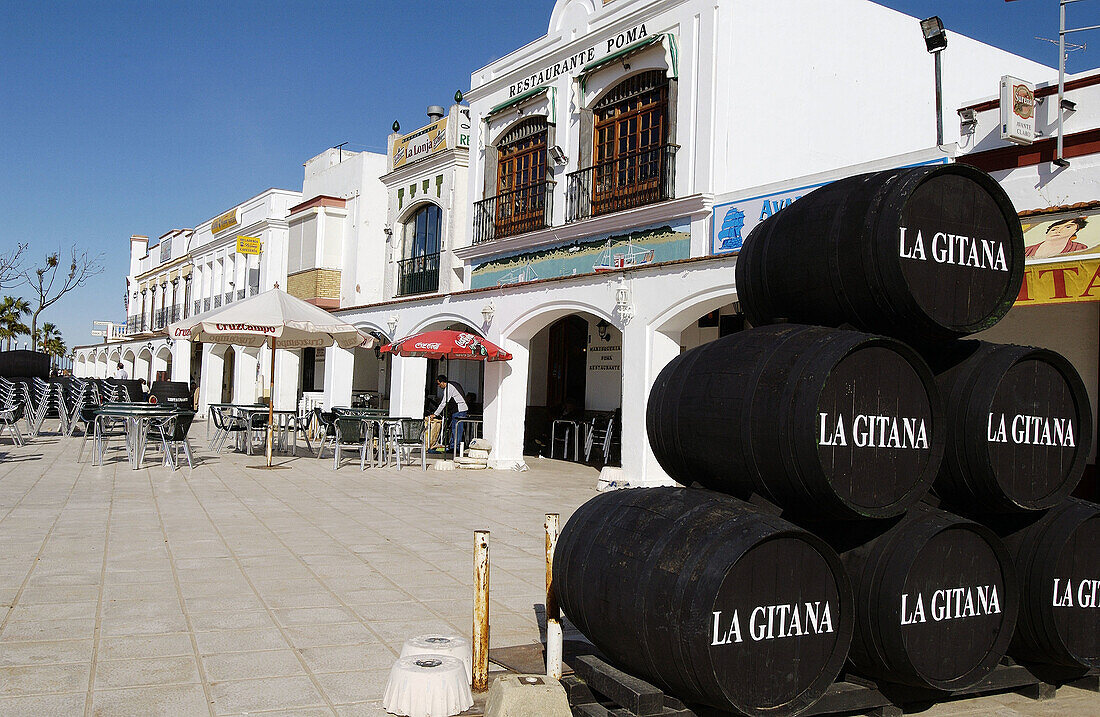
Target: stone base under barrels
x=597, y=689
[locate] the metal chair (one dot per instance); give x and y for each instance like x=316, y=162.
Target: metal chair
x=301, y=423
x=9, y=421
x=326, y=421
x=226, y=423
x=407, y=437
x=600, y=431
x=355, y=433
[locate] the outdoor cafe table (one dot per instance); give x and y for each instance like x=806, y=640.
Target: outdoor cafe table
x=282, y=417
x=138, y=418
x=380, y=418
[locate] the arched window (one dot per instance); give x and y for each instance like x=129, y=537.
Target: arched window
x=632, y=157
x=523, y=187
x=522, y=156
x=418, y=271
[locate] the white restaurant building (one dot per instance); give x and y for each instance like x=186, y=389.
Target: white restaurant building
x=584, y=210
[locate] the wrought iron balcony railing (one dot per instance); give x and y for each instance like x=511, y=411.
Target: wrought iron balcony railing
x=240, y=294
x=418, y=275
x=628, y=181
x=177, y=313
x=519, y=211
x=206, y=304
x=217, y=300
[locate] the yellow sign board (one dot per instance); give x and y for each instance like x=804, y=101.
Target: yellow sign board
x=420, y=144
x=229, y=219
x=1063, y=282
x=249, y=245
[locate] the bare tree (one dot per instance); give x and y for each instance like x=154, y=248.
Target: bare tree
x=11, y=266
x=45, y=289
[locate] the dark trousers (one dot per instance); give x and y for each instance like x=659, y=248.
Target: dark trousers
x=456, y=429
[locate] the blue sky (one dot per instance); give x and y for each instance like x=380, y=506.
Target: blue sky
x=138, y=117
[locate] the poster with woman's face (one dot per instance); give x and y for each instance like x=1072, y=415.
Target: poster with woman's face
x=1064, y=237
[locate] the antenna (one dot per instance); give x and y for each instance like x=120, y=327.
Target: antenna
x=1070, y=46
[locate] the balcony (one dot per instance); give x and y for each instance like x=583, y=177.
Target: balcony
x=198, y=307
x=177, y=313
x=228, y=297
x=217, y=301
x=206, y=304
x=133, y=324
x=516, y=212
x=418, y=275
x=625, y=182
x=159, y=319
x=240, y=294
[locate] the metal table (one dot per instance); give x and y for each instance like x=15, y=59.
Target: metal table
x=138, y=418
x=282, y=419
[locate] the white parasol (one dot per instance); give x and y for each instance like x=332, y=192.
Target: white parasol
x=275, y=319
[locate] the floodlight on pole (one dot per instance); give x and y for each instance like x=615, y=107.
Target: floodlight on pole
x=935, y=41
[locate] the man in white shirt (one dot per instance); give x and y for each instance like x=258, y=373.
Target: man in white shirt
x=451, y=392
x=120, y=373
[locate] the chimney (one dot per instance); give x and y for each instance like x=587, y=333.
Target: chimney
x=435, y=113
x=139, y=247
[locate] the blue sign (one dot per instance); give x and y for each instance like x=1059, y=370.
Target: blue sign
x=733, y=221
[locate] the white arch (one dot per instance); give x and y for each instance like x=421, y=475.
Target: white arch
x=687, y=309
x=529, y=323
x=415, y=206
x=440, y=320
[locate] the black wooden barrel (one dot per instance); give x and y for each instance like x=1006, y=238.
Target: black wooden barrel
x=824, y=421
x=923, y=253
x=1057, y=557
x=705, y=597
x=172, y=393
x=936, y=598
x=1018, y=426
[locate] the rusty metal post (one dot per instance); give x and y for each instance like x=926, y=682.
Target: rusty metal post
x=480, y=681
x=553, y=613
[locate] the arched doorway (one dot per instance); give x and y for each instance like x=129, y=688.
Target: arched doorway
x=573, y=374
x=228, y=357
x=162, y=365
x=370, y=386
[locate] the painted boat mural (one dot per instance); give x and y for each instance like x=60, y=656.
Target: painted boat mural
x=597, y=254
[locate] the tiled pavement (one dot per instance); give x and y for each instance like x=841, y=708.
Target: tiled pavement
x=230, y=590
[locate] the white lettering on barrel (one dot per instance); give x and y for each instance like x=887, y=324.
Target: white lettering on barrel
x=951, y=604
x=774, y=622
x=1030, y=430
x=1088, y=593
x=869, y=431
x=954, y=249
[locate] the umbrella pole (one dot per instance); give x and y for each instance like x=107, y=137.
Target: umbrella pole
x=271, y=404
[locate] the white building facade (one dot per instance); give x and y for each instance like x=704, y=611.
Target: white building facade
x=604, y=159
x=236, y=254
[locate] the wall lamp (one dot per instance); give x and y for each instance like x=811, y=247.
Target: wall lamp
x=968, y=120
x=557, y=155
x=488, y=312
x=392, y=324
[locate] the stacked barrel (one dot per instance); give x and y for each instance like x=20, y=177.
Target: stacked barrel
x=853, y=399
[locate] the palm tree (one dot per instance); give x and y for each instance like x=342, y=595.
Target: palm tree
x=56, y=348
x=44, y=335
x=12, y=310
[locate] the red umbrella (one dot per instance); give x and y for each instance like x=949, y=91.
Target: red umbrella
x=447, y=344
